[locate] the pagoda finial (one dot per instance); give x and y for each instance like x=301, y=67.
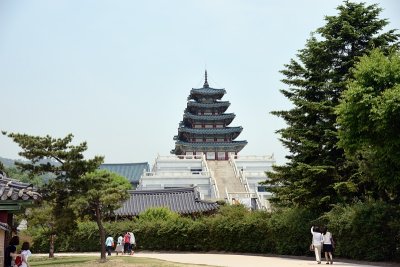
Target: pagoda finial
x=205, y=81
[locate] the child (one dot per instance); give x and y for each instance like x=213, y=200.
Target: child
x=25, y=253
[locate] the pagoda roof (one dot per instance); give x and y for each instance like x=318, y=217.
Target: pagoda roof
x=180, y=200
x=131, y=171
x=234, y=145
x=208, y=105
x=226, y=130
x=209, y=117
x=208, y=91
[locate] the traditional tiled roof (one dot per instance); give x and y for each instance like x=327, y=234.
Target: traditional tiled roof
x=132, y=171
x=5, y=226
x=180, y=200
x=204, y=146
x=225, y=116
x=208, y=105
x=213, y=131
x=207, y=91
x=16, y=190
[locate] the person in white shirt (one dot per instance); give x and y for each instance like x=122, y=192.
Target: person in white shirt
x=25, y=253
x=120, y=245
x=317, y=241
x=328, y=246
x=109, y=244
x=132, y=242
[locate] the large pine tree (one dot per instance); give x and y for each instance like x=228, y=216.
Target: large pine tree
x=317, y=173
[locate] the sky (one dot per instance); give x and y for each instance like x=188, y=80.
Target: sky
x=117, y=73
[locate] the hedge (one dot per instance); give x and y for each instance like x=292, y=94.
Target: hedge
x=367, y=231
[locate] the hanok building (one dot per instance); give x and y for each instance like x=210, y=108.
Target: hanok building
x=204, y=129
x=185, y=201
x=14, y=196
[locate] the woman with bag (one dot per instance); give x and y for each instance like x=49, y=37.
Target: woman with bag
x=329, y=245
x=317, y=241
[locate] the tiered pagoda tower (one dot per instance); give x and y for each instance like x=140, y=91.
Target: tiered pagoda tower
x=204, y=128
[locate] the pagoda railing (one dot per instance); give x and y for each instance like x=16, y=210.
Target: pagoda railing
x=255, y=158
x=245, y=181
x=239, y=174
x=177, y=174
x=179, y=157
x=213, y=182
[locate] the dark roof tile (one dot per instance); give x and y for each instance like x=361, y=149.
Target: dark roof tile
x=11, y=189
x=180, y=200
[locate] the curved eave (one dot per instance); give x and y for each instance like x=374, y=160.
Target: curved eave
x=185, y=133
x=210, y=131
x=225, y=116
x=217, y=104
x=207, y=91
x=220, y=106
x=204, y=146
x=200, y=93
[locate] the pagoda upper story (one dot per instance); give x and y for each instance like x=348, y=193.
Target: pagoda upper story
x=204, y=128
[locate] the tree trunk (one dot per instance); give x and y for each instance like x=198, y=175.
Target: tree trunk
x=102, y=234
x=51, y=250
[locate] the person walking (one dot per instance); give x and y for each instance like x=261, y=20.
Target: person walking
x=328, y=245
x=11, y=252
x=25, y=253
x=132, y=242
x=109, y=244
x=317, y=241
x=127, y=243
x=120, y=247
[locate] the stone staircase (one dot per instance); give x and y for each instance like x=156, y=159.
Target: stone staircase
x=225, y=178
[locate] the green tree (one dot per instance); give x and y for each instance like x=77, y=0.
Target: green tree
x=369, y=124
x=66, y=162
x=98, y=194
x=43, y=217
x=15, y=173
x=317, y=172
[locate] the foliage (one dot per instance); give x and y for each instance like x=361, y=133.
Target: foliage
x=71, y=165
x=366, y=231
x=369, y=123
x=286, y=232
x=317, y=172
x=157, y=214
x=98, y=194
x=15, y=173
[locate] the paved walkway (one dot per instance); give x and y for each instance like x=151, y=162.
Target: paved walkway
x=233, y=260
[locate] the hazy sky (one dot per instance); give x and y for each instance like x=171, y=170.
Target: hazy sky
x=117, y=73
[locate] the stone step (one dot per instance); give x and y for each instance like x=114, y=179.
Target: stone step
x=224, y=176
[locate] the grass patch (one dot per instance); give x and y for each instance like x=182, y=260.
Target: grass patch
x=90, y=261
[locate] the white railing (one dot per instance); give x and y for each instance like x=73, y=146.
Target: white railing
x=256, y=174
x=177, y=174
x=238, y=173
x=179, y=157
x=213, y=182
x=255, y=158
x=245, y=181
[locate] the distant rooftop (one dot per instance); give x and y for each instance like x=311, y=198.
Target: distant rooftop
x=180, y=200
x=131, y=171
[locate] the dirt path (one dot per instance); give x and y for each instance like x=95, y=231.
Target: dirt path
x=234, y=260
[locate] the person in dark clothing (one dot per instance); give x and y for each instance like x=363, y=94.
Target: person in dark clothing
x=11, y=252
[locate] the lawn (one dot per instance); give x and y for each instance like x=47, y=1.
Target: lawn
x=86, y=261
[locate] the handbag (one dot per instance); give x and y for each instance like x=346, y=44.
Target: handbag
x=311, y=247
